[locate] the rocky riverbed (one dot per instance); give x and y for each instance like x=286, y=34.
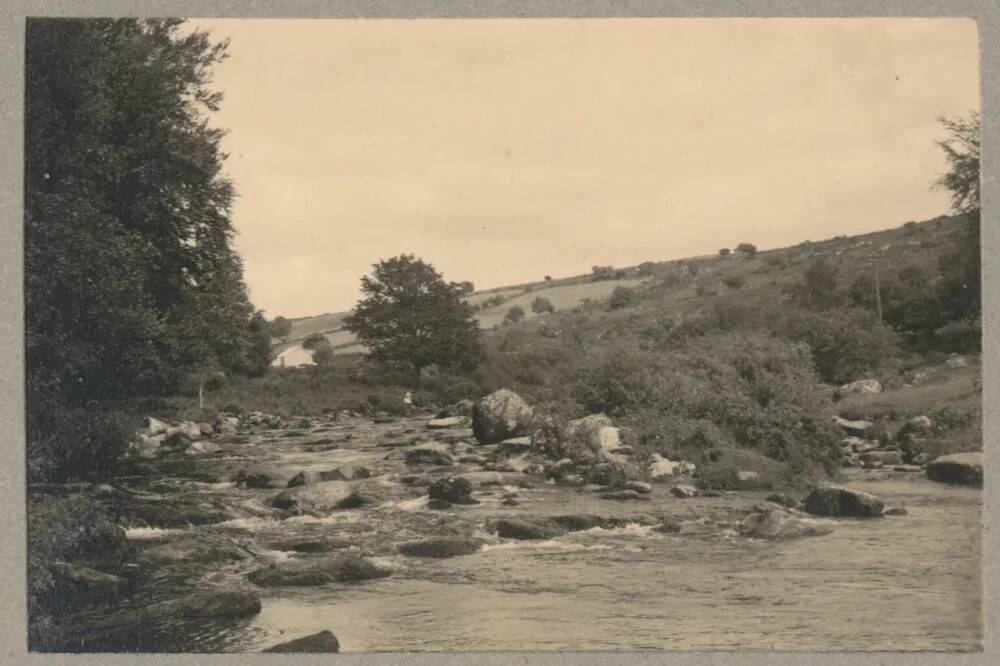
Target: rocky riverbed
x=405, y=534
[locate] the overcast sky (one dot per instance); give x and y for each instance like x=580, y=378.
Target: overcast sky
x=505, y=150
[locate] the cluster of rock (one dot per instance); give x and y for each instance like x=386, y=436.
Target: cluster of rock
x=192, y=438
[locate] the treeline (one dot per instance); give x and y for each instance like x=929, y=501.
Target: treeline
x=132, y=287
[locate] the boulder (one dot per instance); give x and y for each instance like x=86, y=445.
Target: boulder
x=559, y=469
x=515, y=446
x=857, y=445
x=145, y=446
x=202, y=448
x=438, y=505
x=193, y=550
x=576, y=522
x=956, y=362
x=460, y=408
x=684, y=491
x=519, y=465
x=869, y=386
x=662, y=469
x=612, y=474
x=188, y=429
x=429, y=453
x=856, y=428
x=74, y=584
x=342, y=473
x=527, y=529
x=638, y=486
x=882, y=457
x=838, y=501
x=318, y=571
x=323, y=641
x=749, y=480
x=452, y=489
x=447, y=422
x=313, y=545
x=500, y=415
x=473, y=459
x=495, y=478
x=320, y=497
x=779, y=524
x=263, y=476
x=896, y=511
x=441, y=547
x=623, y=495
x=782, y=499
x=155, y=426
x=961, y=468
x=593, y=433
x=206, y=429
x=216, y=603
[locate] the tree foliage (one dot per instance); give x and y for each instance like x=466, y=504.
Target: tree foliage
x=961, y=150
x=410, y=314
x=130, y=278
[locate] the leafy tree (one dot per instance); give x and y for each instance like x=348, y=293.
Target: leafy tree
x=313, y=340
x=818, y=288
x=961, y=150
x=280, y=328
x=724, y=252
x=410, y=314
x=466, y=288
x=542, y=304
x=131, y=282
x=747, y=249
x=514, y=315
x=602, y=272
x=548, y=278
x=322, y=352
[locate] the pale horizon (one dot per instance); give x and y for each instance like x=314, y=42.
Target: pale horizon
x=502, y=151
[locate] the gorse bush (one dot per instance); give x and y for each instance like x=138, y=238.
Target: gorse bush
x=542, y=304
x=621, y=297
x=514, y=315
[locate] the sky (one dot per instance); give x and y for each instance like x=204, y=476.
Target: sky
x=501, y=151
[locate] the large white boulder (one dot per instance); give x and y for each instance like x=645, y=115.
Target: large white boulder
x=501, y=415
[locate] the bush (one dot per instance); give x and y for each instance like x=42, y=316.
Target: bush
x=312, y=340
x=542, y=304
x=910, y=228
x=621, y=297
x=718, y=471
x=846, y=343
x=67, y=443
x=747, y=249
x=724, y=252
x=647, y=268
x=515, y=314
x=733, y=281
x=322, y=352
x=960, y=336
x=693, y=269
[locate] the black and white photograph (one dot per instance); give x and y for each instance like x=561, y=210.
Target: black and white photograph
x=382, y=335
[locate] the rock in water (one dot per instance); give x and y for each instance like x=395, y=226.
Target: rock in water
x=76, y=584
x=837, y=501
x=321, y=571
x=323, y=641
x=319, y=497
x=963, y=468
x=684, y=491
x=232, y=603
x=441, y=547
x=447, y=422
x=429, y=453
x=779, y=524
x=624, y=495
x=527, y=529
x=501, y=415
x=452, y=489
x=263, y=476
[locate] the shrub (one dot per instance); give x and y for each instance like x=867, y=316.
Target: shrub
x=647, y=268
x=910, y=228
x=602, y=272
x=719, y=470
x=515, y=314
x=733, y=281
x=846, y=343
x=542, y=304
x=72, y=443
x=621, y=297
x=747, y=249
x=322, y=352
x=959, y=336
x=312, y=340
x=693, y=269
x=724, y=252
x=818, y=288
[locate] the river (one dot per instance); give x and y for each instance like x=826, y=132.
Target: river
x=896, y=583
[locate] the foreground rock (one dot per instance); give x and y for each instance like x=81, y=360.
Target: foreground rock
x=961, y=468
x=429, y=453
x=452, y=489
x=837, y=501
x=73, y=584
x=342, y=473
x=297, y=573
x=321, y=498
x=231, y=603
x=500, y=415
x=447, y=422
x=324, y=641
x=263, y=476
x=441, y=547
x=780, y=524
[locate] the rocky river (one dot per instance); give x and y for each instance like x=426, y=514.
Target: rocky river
x=520, y=562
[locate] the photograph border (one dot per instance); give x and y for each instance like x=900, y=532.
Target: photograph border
x=13, y=622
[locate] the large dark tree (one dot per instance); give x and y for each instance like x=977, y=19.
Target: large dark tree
x=130, y=278
x=409, y=314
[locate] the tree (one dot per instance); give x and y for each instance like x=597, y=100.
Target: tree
x=548, y=278
x=818, y=288
x=280, y=328
x=131, y=282
x=602, y=272
x=322, y=352
x=313, y=340
x=647, y=268
x=514, y=315
x=961, y=150
x=466, y=288
x=724, y=252
x=542, y=304
x=747, y=249
x=409, y=314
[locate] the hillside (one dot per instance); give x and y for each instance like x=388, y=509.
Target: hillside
x=668, y=288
